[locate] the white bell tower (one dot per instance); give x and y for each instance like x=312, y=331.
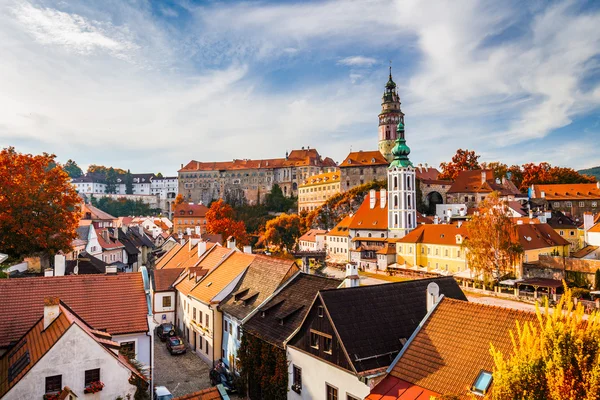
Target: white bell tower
x=402, y=193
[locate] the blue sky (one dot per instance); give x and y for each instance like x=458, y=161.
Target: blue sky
x=151, y=85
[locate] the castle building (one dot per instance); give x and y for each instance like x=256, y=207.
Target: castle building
x=402, y=200
x=389, y=117
x=317, y=189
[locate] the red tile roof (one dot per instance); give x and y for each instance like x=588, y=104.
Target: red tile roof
x=190, y=210
x=206, y=394
x=392, y=388
x=364, y=158
x=442, y=234
x=470, y=182
x=312, y=234
x=539, y=236
x=427, y=173
x=37, y=341
x=165, y=278
x=115, y=303
x=571, y=191
x=168, y=256
x=370, y=219
x=322, y=179
x=341, y=229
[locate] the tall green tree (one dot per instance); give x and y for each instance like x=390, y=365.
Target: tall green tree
x=72, y=169
x=277, y=202
x=111, y=181
x=128, y=183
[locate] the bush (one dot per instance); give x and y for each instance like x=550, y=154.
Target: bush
x=580, y=293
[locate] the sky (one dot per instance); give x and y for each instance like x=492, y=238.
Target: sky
x=151, y=85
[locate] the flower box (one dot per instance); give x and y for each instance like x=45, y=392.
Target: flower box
x=51, y=396
x=93, y=387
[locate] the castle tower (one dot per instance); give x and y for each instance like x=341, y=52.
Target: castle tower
x=389, y=117
x=402, y=194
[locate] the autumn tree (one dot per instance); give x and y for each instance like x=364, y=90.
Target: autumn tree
x=39, y=205
x=178, y=200
x=492, y=244
x=102, y=171
x=463, y=160
x=72, y=169
x=283, y=231
x=220, y=219
x=556, y=357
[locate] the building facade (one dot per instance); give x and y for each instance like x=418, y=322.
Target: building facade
x=317, y=189
x=361, y=167
x=390, y=116
x=189, y=216
x=573, y=199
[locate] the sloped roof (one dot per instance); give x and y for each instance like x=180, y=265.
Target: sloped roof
x=364, y=158
x=168, y=256
x=163, y=279
x=312, y=234
x=453, y=346
x=372, y=320
x=196, y=210
x=206, y=394
x=115, y=303
x=568, y=191
x=539, y=236
x=96, y=213
x=442, y=234
x=37, y=341
x=214, y=257
x=297, y=295
x=367, y=218
x=263, y=277
x=584, y=251
x=216, y=280
x=188, y=280
x=322, y=179
x=558, y=220
x=427, y=173
x=87, y=265
x=341, y=229
x=470, y=182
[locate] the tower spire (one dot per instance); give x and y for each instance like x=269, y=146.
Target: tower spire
x=400, y=150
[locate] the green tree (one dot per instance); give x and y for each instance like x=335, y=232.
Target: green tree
x=111, y=181
x=128, y=183
x=72, y=169
x=277, y=202
x=159, y=175
x=555, y=358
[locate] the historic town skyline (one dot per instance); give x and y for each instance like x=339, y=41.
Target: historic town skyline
x=107, y=83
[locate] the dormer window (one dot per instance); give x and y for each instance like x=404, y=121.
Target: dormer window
x=320, y=311
x=482, y=383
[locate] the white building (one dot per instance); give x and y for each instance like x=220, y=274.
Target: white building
x=402, y=197
x=337, y=242
x=164, y=294
x=88, y=185
x=313, y=240
x=61, y=351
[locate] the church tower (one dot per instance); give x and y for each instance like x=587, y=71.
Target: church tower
x=402, y=195
x=389, y=117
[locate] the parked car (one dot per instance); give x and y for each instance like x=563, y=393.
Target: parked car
x=162, y=393
x=165, y=330
x=220, y=375
x=175, y=345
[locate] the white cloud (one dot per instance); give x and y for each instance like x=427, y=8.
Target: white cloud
x=357, y=61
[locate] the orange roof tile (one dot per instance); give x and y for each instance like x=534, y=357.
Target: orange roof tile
x=442, y=234
x=312, y=234
x=160, y=264
x=470, y=182
x=368, y=218
x=427, y=173
x=186, y=281
x=322, y=179
x=341, y=229
x=220, y=277
x=163, y=279
x=115, y=303
x=539, y=236
x=453, y=346
x=206, y=394
x=189, y=210
x=211, y=259
x=364, y=158
x=37, y=341
x=570, y=191
x=595, y=228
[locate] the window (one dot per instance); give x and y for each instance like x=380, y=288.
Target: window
x=350, y=397
x=561, y=233
x=230, y=328
x=332, y=392
x=206, y=319
x=166, y=301
x=594, y=204
x=53, y=384
x=296, y=379
x=557, y=204
x=568, y=204
x=200, y=343
x=194, y=313
x=482, y=383
x=327, y=345
x=314, y=340
x=206, y=348
x=92, y=375
x=320, y=311
x=239, y=333
x=572, y=233
x=581, y=204
x=127, y=349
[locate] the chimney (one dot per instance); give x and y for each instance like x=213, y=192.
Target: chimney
x=588, y=221
x=530, y=213
x=372, y=198
x=180, y=236
x=543, y=194
x=51, y=310
x=48, y=272
x=59, y=265
x=188, y=231
x=504, y=180
x=193, y=241
x=459, y=224
x=483, y=176
x=426, y=167
x=248, y=249
x=382, y=198
x=598, y=185
x=201, y=248
x=231, y=242
x=436, y=220
x=352, y=278
x=111, y=270
x=433, y=295
x=197, y=230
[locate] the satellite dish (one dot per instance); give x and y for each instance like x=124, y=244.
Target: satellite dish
x=76, y=270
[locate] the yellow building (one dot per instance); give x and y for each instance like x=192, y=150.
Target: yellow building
x=317, y=189
x=438, y=248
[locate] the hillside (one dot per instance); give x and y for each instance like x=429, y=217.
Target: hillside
x=595, y=172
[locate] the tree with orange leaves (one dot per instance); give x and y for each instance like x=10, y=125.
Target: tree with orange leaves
x=40, y=211
x=463, y=160
x=220, y=219
x=178, y=200
x=283, y=231
x=492, y=244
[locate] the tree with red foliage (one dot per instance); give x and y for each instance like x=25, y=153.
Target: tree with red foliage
x=220, y=219
x=463, y=160
x=178, y=200
x=40, y=207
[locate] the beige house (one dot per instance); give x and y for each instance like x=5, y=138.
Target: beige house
x=317, y=189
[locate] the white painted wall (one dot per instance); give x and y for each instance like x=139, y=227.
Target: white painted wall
x=316, y=374
x=70, y=357
x=338, y=248
x=231, y=344
x=593, y=238
x=160, y=311
x=142, y=345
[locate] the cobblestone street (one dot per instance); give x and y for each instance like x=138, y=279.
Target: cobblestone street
x=181, y=374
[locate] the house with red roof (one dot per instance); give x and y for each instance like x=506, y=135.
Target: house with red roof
x=62, y=355
x=472, y=187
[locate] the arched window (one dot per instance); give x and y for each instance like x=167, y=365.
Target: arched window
x=369, y=235
x=408, y=182
x=409, y=221
x=408, y=203
x=395, y=201
x=395, y=182
x=396, y=220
